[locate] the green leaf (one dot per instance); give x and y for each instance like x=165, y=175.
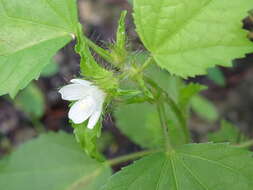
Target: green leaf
x=140, y=122
x=31, y=100
x=204, y=108
x=52, y=161
x=216, y=75
x=191, y=167
x=187, y=37
x=227, y=133
x=31, y=32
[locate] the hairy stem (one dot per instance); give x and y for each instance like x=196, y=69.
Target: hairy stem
x=145, y=65
x=128, y=157
x=163, y=121
x=246, y=144
x=181, y=118
x=174, y=107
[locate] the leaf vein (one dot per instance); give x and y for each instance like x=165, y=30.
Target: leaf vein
x=185, y=22
x=174, y=171
x=193, y=175
x=212, y=161
x=31, y=21
x=163, y=168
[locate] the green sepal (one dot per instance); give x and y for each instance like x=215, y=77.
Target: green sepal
x=91, y=70
x=121, y=32
x=87, y=138
x=105, y=54
x=118, y=49
x=131, y=96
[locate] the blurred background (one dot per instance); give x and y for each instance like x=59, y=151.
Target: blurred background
x=39, y=108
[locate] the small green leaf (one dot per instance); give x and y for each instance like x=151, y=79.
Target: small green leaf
x=31, y=100
x=216, y=75
x=187, y=37
x=204, y=108
x=121, y=32
x=227, y=133
x=52, y=161
x=187, y=93
x=191, y=167
x=51, y=69
x=31, y=32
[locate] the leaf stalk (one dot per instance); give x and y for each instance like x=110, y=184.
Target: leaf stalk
x=128, y=157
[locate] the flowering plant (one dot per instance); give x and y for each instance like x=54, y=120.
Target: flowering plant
x=150, y=100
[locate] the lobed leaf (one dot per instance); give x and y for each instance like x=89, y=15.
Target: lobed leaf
x=187, y=37
x=192, y=167
x=31, y=32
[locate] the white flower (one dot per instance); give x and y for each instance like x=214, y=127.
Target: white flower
x=89, y=101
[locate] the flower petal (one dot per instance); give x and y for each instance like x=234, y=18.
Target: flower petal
x=98, y=95
x=81, y=81
x=82, y=110
x=94, y=118
x=73, y=92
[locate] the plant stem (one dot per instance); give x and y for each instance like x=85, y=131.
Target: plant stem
x=145, y=65
x=128, y=157
x=163, y=121
x=175, y=109
x=181, y=118
x=246, y=144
